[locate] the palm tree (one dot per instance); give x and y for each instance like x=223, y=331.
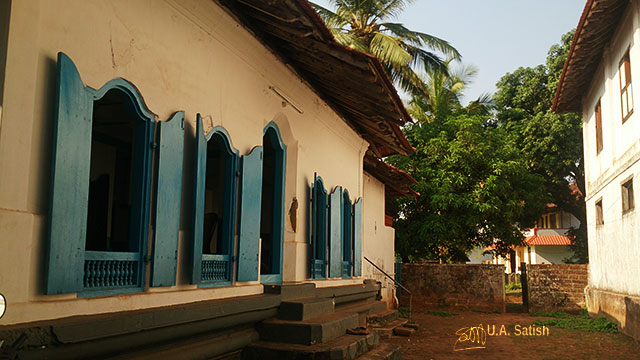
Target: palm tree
x=444, y=89
x=363, y=25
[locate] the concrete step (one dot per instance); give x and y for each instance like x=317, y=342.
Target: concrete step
x=308, y=332
x=382, y=318
x=304, y=309
x=225, y=344
x=386, y=331
x=349, y=293
x=292, y=291
x=385, y=351
x=346, y=347
x=363, y=309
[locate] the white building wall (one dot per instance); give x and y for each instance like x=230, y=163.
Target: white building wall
x=378, y=239
x=614, y=247
x=182, y=55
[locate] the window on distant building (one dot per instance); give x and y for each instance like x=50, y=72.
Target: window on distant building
x=627, y=196
x=599, y=213
x=598, y=113
x=549, y=221
x=626, y=94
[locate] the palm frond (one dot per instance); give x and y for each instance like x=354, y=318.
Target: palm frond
x=438, y=44
x=392, y=8
x=483, y=105
x=389, y=49
x=401, y=31
x=429, y=61
x=350, y=40
x=406, y=79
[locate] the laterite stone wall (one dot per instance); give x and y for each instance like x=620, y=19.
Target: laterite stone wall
x=557, y=287
x=462, y=286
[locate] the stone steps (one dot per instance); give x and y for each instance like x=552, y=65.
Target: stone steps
x=345, y=347
x=304, y=309
x=382, y=317
x=308, y=332
x=316, y=327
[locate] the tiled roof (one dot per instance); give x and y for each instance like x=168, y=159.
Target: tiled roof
x=398, y=183
x=351, y=82
x=548, y=240
x=595, y=28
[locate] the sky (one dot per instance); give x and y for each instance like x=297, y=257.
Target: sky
x=495, y=36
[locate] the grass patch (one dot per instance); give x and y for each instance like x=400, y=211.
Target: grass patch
x=480, y=311
x=553, y=314
x=576, y=322
x=513, y=286
x=440, y=313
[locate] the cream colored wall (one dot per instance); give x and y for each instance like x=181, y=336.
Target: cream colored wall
x=378, y=241
x=182, y=55
x=613, y=247
x=550, y=254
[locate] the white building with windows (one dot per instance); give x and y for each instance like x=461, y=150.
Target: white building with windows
x=598, y=81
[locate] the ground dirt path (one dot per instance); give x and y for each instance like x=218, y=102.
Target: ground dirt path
x=437, y=337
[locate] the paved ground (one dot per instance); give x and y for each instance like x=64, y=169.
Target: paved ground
x=437, y=338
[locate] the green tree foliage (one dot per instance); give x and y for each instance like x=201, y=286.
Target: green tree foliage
x=473, y=185
x=364, y=25
x=552, y=143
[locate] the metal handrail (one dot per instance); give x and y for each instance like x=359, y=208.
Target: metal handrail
x=395, y=282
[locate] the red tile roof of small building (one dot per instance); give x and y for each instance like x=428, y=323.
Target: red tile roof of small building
x=548, y=240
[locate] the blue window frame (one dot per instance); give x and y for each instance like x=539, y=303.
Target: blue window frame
x=272, y=216
x=214, y=206
x=101, y=176
x=318, y=229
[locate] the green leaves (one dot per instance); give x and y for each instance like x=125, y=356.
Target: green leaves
x=360, y=24
x=551, y=142
x=473, y=185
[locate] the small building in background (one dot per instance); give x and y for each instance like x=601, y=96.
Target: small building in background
x=546, y=243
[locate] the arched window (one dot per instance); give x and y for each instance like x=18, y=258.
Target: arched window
x=101, y=176
x=215, y=187
x=272, y=204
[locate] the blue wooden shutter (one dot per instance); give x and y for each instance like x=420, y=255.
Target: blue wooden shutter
x=199, y=182
x=249, y=223
x=168, y=196
x=357, y=238
x=319, y=229
x=69, y=197
x=347, y=236
x=335, y=232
